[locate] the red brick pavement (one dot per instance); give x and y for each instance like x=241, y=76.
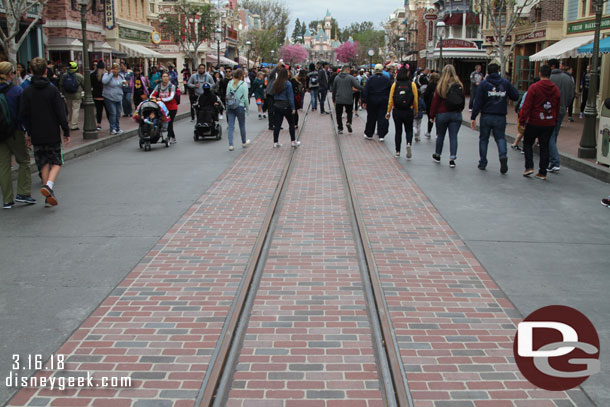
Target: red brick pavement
x=308, y=341
x=453, y=324
x=161, y=324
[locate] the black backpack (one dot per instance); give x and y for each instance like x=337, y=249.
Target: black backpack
x=7, y=124
x=70, y=83
x=313, y=80
x=455, y=100
x=403, y=95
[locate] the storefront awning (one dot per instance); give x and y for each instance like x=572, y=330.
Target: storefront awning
x=223, y=60
x=244, y=61
x=587, y=50
x=64, y=44
x=565, y=48
x=139, y=51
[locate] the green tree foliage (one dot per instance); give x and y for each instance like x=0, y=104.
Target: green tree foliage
x=296, y=33
x=263, y=41
x=356, y=28
x=189, y=25
x=368, y=39
x=274, y=14
x=334, y=27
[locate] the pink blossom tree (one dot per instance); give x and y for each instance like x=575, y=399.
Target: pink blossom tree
x=292, y=54
x=347, y=51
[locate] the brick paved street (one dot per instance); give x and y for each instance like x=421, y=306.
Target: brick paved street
x=308, y=340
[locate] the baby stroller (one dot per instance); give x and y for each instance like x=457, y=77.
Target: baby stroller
x=208, y=108
x=151, y=131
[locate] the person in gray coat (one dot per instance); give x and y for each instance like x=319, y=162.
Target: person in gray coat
x=566, y=89
x=343, y=97
x=113, y=83
x=197, y=80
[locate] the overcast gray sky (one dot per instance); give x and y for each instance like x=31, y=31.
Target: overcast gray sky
x=344, y=11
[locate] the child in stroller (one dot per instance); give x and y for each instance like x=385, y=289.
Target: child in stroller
x=209, y=107
x=152, y=116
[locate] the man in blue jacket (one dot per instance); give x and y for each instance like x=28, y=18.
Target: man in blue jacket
x=375, y=100
x=491, y=101
x=324, y=86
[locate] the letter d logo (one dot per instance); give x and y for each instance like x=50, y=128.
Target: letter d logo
x=526, y=339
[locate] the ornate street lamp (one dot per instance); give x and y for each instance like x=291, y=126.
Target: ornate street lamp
x=371, y=52
x=89, y=127
x=440, y=31
x=272, y=56
x=218, y=35
x=587, y=148
x=401, y=41
x=249, y=45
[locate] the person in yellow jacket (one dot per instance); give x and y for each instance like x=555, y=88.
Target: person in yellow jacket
x=403, y=106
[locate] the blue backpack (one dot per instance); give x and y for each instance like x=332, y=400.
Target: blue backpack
x=70, y=83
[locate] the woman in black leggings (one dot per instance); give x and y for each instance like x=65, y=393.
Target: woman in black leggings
x=428, y=96
x=96, y=90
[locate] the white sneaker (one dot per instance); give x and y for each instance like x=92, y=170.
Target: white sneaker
x=427, y=135
x=367, y=137
x=113, y=132
x=244, y=145
x=264, y=116
x=554, y=169
x=381, y=139
x=276, y=145
x=231, y=148
x=408, y=151
x=118, y=132
x=296, y=143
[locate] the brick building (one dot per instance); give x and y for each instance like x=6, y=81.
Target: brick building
x=62, y=32
x=32, y=46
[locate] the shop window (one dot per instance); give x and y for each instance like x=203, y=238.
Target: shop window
x=538, y=14
x=592, y=7
x=472, y=31
x=73, y=5
x=583, y=8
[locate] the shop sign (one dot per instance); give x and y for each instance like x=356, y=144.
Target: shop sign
x=109, y=18
x=531, y=36
x=133, y=34
x=431, y=31
x=584, y=26
x=492, y=38
x=430, y=17
x=455, y=43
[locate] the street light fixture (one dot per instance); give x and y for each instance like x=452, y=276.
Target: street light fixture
x=440, y=31
x=272, y=56
x=218, y=36
x=249, y=45
x=89, y=127
x=371, y=52
x=587, y=149
x=401, y=41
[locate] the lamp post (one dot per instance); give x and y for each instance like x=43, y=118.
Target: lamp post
x=401, y=41
x=588, y=141
x=272, y=56
x=218, y=35
x=89, y=127
x=440, y=31
x=371, y=52
x=249, y=45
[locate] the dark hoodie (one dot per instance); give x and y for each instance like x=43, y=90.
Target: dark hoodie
x=377, y=90
x=541, y=105
x=342, y=89
x=43, y=112
x=492, y=96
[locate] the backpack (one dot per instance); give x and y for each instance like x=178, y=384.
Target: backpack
x=519, y=103
x=403, y=95
x=455, y=100
x=70, y=83
x=7, y=125
x=313, y=80
x=232, y=102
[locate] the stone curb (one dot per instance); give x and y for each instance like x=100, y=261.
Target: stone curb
x=568, y=160
x=94, y=146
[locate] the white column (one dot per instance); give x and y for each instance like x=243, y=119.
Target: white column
x=464, y=25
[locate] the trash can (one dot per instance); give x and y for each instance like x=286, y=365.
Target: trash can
x=603, y=140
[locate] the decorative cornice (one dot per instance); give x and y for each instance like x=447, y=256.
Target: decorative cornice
x=73, y=25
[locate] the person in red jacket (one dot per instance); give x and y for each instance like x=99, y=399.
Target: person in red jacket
x=166, y=91
x=538, y=116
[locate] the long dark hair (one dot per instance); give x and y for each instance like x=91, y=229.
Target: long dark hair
x=403, y=74
x=280, y=81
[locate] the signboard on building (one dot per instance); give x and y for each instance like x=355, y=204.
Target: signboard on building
x=430, y=17
x=109, y=17
x=455, y=43
x=531, y=36
x=584, y=26
x=492, y=38
x=133, y=34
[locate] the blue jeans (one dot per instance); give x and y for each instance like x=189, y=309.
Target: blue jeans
x=240, y=113
x=497, y=124
x=314, y=98
x=322, y=93
x=114, y=113
x=553, y=152
x=127, y=109
x=453, y=122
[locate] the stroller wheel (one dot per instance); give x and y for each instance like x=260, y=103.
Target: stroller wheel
x=141, y=145
x=147, y=147
x=166, y=142
x=195, y=136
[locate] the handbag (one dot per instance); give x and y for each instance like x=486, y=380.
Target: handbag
x=281, y=104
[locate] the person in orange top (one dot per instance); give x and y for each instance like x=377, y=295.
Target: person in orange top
x=403, y=106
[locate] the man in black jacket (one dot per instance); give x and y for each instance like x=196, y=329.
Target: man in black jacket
x=375, y=98
x=324, y=86
x=42, y=112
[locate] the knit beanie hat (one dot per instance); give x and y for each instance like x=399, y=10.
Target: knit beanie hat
x=100, y=64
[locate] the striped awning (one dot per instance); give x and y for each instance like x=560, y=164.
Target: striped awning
x=565, y=48
x=139, y=51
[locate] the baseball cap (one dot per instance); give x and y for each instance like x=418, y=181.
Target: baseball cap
x=379, y=67
x=72, y=66
x=206, y=86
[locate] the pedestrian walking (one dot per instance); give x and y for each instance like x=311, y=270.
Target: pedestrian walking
x=258, y=89
x=186, y=75
x=269, y=96
x=97, y=92
x=343, y=97
x=166, y=92
x=447, y=105
x=155, y=77
x=297, y=89
x=428, y=96
x=375, y=100
x=224, y=82
x=566, y=88
x=42, y=113
x=357, y=92
x=12, y=141
x=127, y=74
x=113, y=97
x=139, y=86
x=313, y=85
x=476, y=77
x=237, y=105
x=570, y=72
x=323, y=81
x=585, y=81
x=71, y=86
x=195, y=86
x=520, y=129
x=539, y=115
x=491, y=100
x=421, y=107
x=283, y=106
x=403, y=105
